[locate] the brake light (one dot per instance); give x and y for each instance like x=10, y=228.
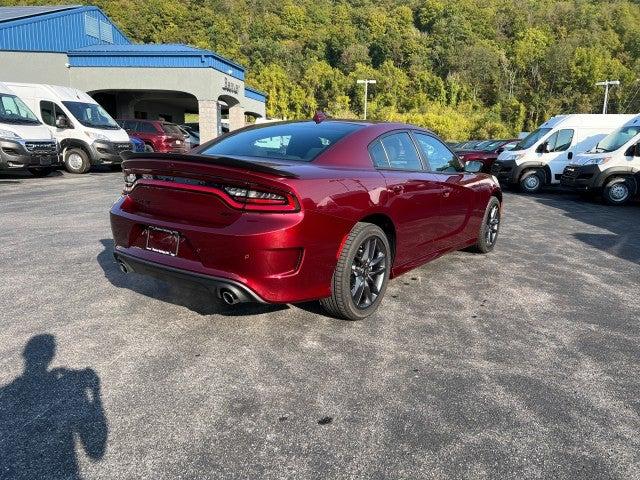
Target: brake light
x=259, y=199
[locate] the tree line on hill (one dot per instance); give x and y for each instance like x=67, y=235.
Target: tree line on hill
x=464, y=68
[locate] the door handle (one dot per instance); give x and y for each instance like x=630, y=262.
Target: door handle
x=570, y=155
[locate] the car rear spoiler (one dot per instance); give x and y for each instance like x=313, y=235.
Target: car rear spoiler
x=207, y=160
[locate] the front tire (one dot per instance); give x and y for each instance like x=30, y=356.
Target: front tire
x=531, y=181
x=148, y=148
x=490, y=227
x=361, y=275
x=76, y=161
x=617, y=191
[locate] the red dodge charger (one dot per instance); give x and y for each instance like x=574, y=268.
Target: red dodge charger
x=295, y=211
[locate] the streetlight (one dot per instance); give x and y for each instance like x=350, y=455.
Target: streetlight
x=366, y=82
x=606, y=84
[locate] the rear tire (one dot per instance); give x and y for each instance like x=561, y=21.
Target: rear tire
x=76, y=161
x=617, y=191
x=531, y=181
x=362, y=272
x=490, y=227
x=40, y=172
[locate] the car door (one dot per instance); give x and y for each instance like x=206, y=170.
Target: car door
x=456, y=198
x=556, y=152
x=49, y=113
x=412, y=195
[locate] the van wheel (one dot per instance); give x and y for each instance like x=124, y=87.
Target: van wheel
x=76, y=161
x=490, y=227
x=531, y=181
x=148, y=148
x=617, y=191
x=40, y=172
x=361, y=275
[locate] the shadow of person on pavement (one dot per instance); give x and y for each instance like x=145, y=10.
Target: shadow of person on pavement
x=45, y=413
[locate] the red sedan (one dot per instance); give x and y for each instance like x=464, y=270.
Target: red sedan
x=297, y=211
x=487, y=152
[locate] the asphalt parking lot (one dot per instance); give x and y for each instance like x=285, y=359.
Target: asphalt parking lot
x=521, y=364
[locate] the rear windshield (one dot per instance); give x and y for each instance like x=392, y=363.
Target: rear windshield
x=300, y=142
x=171, y=129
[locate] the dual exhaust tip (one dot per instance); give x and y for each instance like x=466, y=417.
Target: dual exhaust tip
x=228, y=295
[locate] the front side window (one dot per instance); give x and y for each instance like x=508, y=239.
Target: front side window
x=300, y=141
x=560, y=141
x=439, y=157
x=401, y=152
x=14, y=110
x=91, y=115
x=531, y=139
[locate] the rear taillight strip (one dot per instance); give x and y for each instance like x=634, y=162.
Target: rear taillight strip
x=253, y=198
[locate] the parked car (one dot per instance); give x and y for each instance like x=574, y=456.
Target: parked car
x=137, y=144
x=611, y=168
x=190, y=136
x=157, y=135
x=487, y=152
x=295, y=211
x=540, y=158
x=86, y=133
x=469, y=145
x=25, y=143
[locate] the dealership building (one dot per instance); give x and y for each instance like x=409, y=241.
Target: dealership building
x=80, y=47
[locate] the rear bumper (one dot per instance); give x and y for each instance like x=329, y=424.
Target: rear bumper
x=274, y=258
x=580, y=177
x=16, y=155
x=105, y=152
x=214, y=284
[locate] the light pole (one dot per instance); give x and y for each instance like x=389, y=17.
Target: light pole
x=366, y=82
x=606, y=84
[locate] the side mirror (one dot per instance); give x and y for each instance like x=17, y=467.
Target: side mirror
x=473, y=166
x=543, y=148
x=636, y=150
x=62, y=122
x=500, y=150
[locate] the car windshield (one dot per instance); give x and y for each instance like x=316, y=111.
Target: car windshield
x=14, y=110
x=491, y=146
x=91, y=115
x=616, y=139
x=302, y=141
x=531, y=139
x=171, y=129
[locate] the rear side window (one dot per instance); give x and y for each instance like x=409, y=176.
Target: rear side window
x=439, y=157
x=401, y=152
x=378, y=156
x=300, y=141
x=146, y=127
x=560, y=140
x=171, y=129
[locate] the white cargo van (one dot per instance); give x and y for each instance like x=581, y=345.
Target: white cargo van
x=539, y=159
x=85, y=131
x=611, y=168
x=25, y=143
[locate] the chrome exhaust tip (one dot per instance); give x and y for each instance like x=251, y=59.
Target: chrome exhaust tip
x=123, y=267
x=229, y=297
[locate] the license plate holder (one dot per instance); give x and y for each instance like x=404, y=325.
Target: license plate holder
x=163, y=241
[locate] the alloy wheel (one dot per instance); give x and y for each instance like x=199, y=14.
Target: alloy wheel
x=493, y=225
x=368, y=272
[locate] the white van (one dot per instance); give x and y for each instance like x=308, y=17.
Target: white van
x=611, y=168
x=539, y=159
x=85, y=131
x=25, y=143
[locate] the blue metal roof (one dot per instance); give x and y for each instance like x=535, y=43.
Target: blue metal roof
x=255, y=94
x=152, y=56
x=13, y=13
x=59, y=31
